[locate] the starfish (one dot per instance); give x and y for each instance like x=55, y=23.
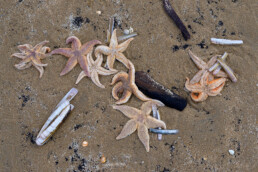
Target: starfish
x=114, y=51
x=140, y=120
x=126, y=85
x=204, y=67
x=95, y=70
x=31, y=56
x=201, y=91
x=76, y=54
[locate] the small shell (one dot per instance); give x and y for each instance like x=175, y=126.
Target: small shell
x=85, y=143
x=231, y=152
x=126, y=32
x=103, y=159
x=98, y=12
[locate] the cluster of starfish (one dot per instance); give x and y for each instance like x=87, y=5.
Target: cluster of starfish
x=124, y=82
x=204, y=83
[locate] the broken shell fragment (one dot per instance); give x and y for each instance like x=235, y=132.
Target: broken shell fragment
x=56, y=118
x=155, y=90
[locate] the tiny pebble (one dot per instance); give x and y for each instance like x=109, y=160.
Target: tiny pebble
x=205, y=159
x=103, y=160
x=126, y=32
x=231, y=152
x=84, y=143
x=98, y=12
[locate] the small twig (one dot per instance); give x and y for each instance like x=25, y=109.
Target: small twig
x=172, y=14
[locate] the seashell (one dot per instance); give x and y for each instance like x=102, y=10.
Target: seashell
x=158, y=131
x=226, y=41
x=155, y=90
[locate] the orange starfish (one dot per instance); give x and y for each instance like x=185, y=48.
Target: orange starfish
x=76, y=54
x=126, y=85
x=201, y=91
x=140, y=120
x=31, y=56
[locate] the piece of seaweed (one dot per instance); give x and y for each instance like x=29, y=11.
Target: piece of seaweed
x=172, y=14
x=155, y=90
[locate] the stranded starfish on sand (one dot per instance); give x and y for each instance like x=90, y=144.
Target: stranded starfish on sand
x=76, y=54
x=114, y=51
x=95, y=70
x=140, y=120
x=31, y=56
x=204, y=67
x=126, y=85
x=201, y=91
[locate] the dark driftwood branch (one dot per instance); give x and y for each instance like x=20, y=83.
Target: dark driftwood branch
x=172, y=14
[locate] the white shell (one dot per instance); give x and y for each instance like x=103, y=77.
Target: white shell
x=226, y=41
x=231, y=152
x=126, y=32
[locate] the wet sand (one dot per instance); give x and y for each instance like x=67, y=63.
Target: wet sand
x=207, y=130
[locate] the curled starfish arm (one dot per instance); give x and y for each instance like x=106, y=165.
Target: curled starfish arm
x=139, y=94
x=69, y=66
x=103, y=71
x=128, y=129
x=39, y=46
x=125, y=97
x=144, y=136
x=199, y=97
x=197, y=77
x=81, y=75
x=121, y=76
x=88, y=47
x=216, y=86
x=19, y=55
x=197, y=61
x=40, y=69
x=25, y=47
x=22, y=63
x=22, y=66
x=44, y=50
x=123, y=46
x=95, y=79
x=118, y=88
x=151, y=122
x=67, y=52
x=76, y=43
x=128, y=111
x=102, y=49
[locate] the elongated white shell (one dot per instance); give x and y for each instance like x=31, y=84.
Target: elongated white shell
x=226, y=41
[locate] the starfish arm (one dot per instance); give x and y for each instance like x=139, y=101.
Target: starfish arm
x=128, y=129
x=102, y=49
x=205, y=78
x=25, y=47
x=76, y=43
x=22, y=66
x=212, y=61
x=121, y=76
x=40, y=69
x=113, y=40
x=121, y=57
x=81, y=75
x=128, y=111
x=44, y=50
x=67, y=52
x=103, y=71
x=147, y=106
x=39, y=45
x=99, y=60
x=200, y=97
x=139, y=94
x=87, y=47
x=84, y=64
x=118, y=88
x=37, y=62
x=216, y=86
x=125, y=97
x=95, y=79
x=123, y=46
x=131, y=72
x=151, y=122
x=110, y=62
x=198, y=62
x=144, y=136
x=193, y=87
x=221, y=74
x=71, y=63
x=22, y=63
x=197, y=77
x=19, y=55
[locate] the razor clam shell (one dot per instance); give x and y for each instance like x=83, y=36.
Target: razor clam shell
x=53, y=123
x=226, y=41
x=158, y=131
x=155, y=90
x=69, y=96
x=156, y=115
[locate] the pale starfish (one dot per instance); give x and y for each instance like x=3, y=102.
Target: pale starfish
x=114, y=51
x=126, y=85
x=95, y=70
x=201, y=91
x=140, y=120
x=31, y=56
x=204, y=67
x=76, y=54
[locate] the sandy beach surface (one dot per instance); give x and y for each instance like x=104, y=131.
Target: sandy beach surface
x=207, y=130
